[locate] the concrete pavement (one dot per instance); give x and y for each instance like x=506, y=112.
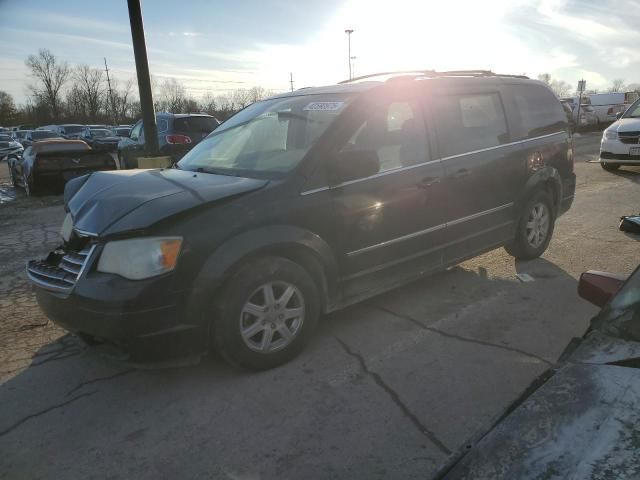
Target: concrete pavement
x=390, y=388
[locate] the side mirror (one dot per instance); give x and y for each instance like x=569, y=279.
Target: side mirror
x=599, y=287
x=353, y=165
x=618, y=115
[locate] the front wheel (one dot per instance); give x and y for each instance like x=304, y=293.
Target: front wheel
x=609, y=167
x=12, y=175
x=266, y=313
x=535, y=228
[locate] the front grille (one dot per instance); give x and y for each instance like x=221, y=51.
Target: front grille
x=60, y=270
x=629, y=137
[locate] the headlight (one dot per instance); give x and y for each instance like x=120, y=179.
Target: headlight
x=610, y=134
x=140, y=258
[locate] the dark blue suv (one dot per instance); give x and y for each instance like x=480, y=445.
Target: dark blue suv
x=177, y=134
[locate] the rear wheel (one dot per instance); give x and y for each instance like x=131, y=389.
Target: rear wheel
x=535, y=228
x=27, y=183
x=610, y=167
x=266, y=314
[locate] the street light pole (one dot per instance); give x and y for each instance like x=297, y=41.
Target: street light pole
x=349, y=32
x=144, y=79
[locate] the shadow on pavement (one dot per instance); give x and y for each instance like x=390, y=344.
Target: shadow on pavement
x=368, y=374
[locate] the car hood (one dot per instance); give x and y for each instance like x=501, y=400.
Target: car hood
x=626, y=125
x=104, y=203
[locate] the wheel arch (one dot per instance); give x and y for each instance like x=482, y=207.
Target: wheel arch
x=547, y=179
x=299, y=245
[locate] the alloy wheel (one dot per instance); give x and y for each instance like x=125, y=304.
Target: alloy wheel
x=272, y=316
x=537, y=227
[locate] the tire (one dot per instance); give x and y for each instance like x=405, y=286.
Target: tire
x=245, y=302
x=533, y=233
x=12, y=175
x=28, y=185
x=610, y=167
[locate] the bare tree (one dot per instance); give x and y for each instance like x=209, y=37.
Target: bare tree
x=617, y=85
x=124, y=101
x=241, y=98
x=50, y=75
x=89, y=82
x=545, y=78
x=7, y=108
x=74, y=103
x=208, y=104
x=560, y=88
x=172, y=96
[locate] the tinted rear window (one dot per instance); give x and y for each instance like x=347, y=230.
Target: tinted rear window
x=39, y=135
x=195, y=124
x=73, y=128
x=540, y=111
x=470, y=122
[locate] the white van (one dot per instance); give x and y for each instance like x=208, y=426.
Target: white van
x=607, y=105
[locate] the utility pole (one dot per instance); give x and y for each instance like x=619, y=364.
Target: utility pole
x=144, y=79
x=581, y=86
x=111, y=99
x=291, y=80
x=349, y=31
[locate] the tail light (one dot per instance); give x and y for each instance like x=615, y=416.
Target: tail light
x=178, y=139
x=610, y=111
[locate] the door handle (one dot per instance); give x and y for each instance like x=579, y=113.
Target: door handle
x=427, y=182
x=463, y=172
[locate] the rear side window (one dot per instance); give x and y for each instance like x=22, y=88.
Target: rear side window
x=470, y=122
x=540, y=111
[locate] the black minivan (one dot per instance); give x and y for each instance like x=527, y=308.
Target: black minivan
x=304, y=203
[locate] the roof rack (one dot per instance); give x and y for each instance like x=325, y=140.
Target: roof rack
x=413, y=74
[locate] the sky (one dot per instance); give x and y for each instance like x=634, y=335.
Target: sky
x=216, y=46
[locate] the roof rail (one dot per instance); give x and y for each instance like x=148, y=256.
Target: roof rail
x=413, y=74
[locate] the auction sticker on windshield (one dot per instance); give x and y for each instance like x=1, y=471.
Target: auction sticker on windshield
x=324, y=106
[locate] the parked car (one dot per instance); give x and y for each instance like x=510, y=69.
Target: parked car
x=579, y=420
x=9, y=146
x=100, y=139
x=25, y=126
x=305, y=203
x=607, y=105
x=122, y=131
x=67, y=130
x=37, y=135
x=53, y=162
x=620, y=143
x=177, y=134
x=19, y=135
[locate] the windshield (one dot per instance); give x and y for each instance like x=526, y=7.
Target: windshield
x=268, y=138
x=101, y=133
x=40, y=134
x=633, y=111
